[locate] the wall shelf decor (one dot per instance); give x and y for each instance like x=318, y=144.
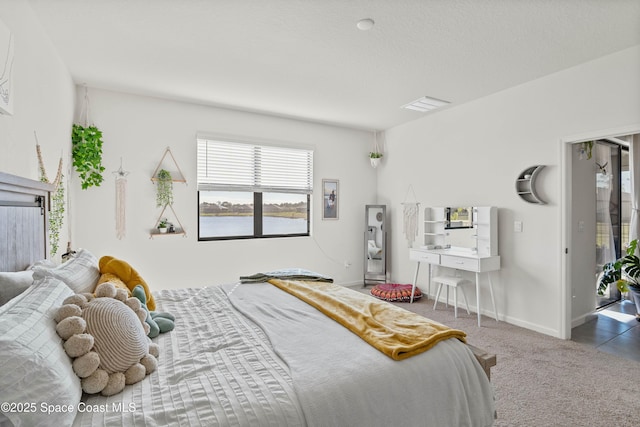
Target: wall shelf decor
x=176, y=176
x=526, y=185
x=177, y=230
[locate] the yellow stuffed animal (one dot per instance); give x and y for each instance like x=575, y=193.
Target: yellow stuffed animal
x=112, y=278
x=128, y=275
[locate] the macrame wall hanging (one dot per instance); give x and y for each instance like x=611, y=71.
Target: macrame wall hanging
x=410, y=214
x=121, y=193
x=56, y=215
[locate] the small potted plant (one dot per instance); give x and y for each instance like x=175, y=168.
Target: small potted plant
x=163, y=225
x=375, y=157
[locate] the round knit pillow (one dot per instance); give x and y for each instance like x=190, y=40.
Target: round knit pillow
x=119, y=338
x=395, y=292
x=107, y=338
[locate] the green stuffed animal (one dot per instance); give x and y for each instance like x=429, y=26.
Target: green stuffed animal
x=159, y=322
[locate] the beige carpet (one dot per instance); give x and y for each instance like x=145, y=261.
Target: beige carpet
x=544, y=381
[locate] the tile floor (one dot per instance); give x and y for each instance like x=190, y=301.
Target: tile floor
x=614, y=330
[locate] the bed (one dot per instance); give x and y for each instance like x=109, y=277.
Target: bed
x=241, y=354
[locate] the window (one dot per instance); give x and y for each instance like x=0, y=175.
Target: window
x=248, y=190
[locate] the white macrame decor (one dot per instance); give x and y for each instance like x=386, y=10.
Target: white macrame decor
x=121, y=193
x=410, y=221
x=410, y=213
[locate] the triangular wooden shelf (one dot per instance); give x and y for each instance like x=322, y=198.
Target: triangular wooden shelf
x=180, y=231
x=181, y=178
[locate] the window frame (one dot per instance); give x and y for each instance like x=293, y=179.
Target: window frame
x=258, y=215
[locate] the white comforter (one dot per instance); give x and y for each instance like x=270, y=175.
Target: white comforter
x=219, y=368
x=342, y=381
x=216, y=368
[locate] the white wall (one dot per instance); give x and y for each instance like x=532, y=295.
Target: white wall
x=138, y=129
x=44, y=97
x=583, y=209
x=472, y=154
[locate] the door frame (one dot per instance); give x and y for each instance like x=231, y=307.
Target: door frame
x=566, y=144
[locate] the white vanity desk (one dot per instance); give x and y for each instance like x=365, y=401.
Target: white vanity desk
x=460, y=259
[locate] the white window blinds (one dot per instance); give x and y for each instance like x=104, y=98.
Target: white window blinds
x=237, y=166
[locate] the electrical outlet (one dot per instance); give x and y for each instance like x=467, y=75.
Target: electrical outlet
x=517, y=226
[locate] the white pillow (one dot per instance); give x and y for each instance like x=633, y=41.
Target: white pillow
x=13, y=284
x=35, y=368
x=80, y=273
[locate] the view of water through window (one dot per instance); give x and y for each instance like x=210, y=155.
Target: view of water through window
x=224, y=214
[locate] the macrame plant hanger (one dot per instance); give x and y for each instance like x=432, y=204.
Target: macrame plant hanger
x=85, y=108
x=410, y=213
x=121, y=194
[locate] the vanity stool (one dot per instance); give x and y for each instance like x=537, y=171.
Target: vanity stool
x=453, y=282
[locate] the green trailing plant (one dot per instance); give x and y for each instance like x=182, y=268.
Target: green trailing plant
x=375, y=155
x=624, y=272
x=86, y=152
x=56, y=213
x=56, y=216
x=587, y=148
x=164, y=193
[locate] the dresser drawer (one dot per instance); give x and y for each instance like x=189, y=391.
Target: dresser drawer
x=469, y=264
x=423, y=256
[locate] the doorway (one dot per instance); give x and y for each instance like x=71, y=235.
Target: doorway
x=578, y=218
x=613, y=208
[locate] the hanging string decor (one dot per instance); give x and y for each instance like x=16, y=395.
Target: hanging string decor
x=121, y=194
x=410, y=221
x=56, y=215
x=410, y=214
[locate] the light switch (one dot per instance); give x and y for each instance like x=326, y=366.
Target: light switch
x=580, y=226
x=517, y=226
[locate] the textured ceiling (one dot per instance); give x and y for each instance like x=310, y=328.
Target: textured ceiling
x=306, y=59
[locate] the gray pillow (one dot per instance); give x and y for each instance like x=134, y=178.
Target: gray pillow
x=13, y=284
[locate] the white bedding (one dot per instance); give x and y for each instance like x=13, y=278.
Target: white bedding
x=341, y=380
x=215, y=369
x=218, y=367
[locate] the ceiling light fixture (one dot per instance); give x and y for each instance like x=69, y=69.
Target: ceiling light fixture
x=425, y=104
x=365, y=24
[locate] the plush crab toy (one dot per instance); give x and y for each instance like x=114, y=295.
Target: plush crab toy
x=106, y=335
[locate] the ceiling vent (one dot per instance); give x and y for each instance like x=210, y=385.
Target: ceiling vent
x=425, y=104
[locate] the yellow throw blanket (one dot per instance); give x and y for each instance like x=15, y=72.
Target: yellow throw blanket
x=396, y=332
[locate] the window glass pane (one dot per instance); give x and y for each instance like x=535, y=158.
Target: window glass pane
x=225, y=214
x=284, y=213
x=625, y=184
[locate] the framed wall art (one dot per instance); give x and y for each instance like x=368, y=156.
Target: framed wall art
x=6, y=70
x=330, y=199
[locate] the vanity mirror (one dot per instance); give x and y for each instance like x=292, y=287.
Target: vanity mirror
x=471, y=228
x=375, y=244
x=458, y=217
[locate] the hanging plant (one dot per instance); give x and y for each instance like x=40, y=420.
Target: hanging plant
x=586, y=149
x=86, y=151
x=376, y=154
x=164, y=194
x=56, y=214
